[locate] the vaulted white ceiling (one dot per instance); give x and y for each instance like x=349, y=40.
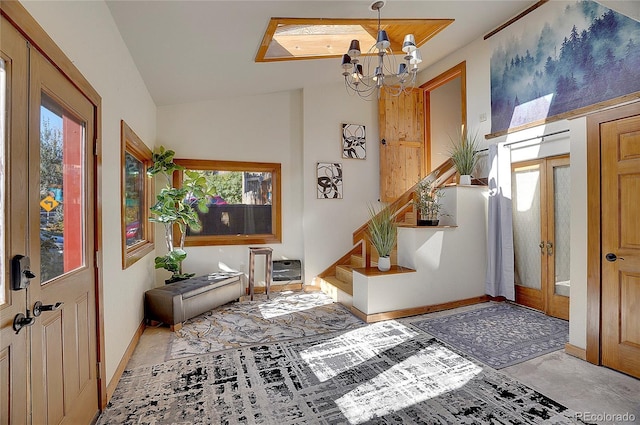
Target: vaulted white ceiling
x=190, y=51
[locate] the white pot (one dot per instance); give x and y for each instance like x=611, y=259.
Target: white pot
x=384, y=264
x=465, y=179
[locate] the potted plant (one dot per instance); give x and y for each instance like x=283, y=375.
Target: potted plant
x=427, y=199
x=176, y=206
x=382, y=231
x=464, y=154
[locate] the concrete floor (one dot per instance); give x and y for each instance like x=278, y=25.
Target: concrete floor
x=581, y=386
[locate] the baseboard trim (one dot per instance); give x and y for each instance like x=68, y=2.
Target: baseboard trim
x=397, y=314
x=113, y=383
x=574, y=351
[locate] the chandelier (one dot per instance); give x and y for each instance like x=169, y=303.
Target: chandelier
x=379, y=67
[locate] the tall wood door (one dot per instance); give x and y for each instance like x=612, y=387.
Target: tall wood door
x=50, y=179
x=541, y=213
x=620, y=176
x=402, y=151
x=14, y=348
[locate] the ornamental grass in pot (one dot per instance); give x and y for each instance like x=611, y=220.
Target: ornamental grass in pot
x=464, y=154
x=382, y=232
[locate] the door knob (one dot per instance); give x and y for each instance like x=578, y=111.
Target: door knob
x=611, y=257
x=38, y=307
x=20, y=321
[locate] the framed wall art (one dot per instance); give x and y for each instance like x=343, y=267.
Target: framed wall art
x=329, y=180
x=564, y=57
x=354, y=141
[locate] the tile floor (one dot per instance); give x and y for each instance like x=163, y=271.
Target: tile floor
x=599, y=393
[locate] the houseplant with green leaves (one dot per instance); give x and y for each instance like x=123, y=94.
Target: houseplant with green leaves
x=176, y=206
x=464, y=154
x=427, y=200
x=382, y=232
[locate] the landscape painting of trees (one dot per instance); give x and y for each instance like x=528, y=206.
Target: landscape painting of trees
x=562, y=57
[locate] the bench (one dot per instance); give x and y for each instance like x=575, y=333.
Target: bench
x=176, y=302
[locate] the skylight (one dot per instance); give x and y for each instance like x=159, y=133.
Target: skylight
x=299, y=38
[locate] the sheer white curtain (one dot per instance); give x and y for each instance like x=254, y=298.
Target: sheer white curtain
x=500, y=270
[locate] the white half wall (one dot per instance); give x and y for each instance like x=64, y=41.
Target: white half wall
x=87, y=34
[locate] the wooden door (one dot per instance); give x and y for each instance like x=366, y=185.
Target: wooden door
x=50, y=365
x=541, y=213
x=402, y=142
x=13, y=222
x=620, y=174
x=64, y=360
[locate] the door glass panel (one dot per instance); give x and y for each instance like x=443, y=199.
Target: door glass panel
x=526, y=226
x=561, y=202
x=61, y=190
x=3, y=200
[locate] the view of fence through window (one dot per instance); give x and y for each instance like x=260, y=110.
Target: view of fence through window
x=240, y=205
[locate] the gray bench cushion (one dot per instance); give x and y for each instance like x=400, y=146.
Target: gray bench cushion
x=176, y=302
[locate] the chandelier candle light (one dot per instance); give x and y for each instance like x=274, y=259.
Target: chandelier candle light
x=383, y=75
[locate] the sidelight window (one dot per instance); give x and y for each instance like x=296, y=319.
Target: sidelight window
x=137, y=234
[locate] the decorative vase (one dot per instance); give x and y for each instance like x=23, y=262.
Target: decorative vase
x=465, y=179
x=384, y=264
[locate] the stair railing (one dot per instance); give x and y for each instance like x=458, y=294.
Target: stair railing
x=440, y=176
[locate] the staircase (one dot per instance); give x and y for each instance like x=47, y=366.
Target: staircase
x=337, y=280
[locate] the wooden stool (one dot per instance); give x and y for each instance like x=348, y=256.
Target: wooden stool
x=266, y=251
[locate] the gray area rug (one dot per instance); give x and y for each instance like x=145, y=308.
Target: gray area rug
x=384, y=373
x=286, y=315
x=501, y=335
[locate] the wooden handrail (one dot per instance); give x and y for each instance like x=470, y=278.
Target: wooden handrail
x=439, y=176
x=361, y=243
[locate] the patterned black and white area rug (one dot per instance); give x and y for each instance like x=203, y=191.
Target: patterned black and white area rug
x=286, y=315
x=384, y=373
x=501, y=335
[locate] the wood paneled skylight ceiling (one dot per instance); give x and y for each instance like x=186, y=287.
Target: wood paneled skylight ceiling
x=305, y=38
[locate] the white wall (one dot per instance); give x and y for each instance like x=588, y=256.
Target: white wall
x=446, y=120
x=87, y=34
x=299, y=130
x=329, y=223
x=266, y=128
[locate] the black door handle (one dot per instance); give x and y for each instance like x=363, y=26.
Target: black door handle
x=38, y=307
x=611, y=257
